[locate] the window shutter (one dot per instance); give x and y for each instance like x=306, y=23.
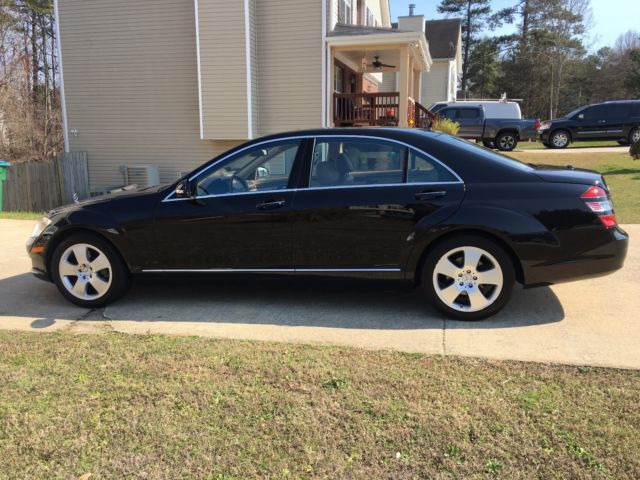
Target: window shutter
x=341, y=12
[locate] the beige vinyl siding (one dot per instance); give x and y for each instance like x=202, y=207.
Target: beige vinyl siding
x=254, y=66
x=289, y=65
x=389, y=82
x=435, y=83
x=131, y=88
x=223, y=68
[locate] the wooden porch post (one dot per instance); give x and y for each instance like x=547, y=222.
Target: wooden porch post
x=404, y=88
x=417, y=77
x=332, y=76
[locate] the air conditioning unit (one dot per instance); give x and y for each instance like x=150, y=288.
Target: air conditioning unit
x=142, y=175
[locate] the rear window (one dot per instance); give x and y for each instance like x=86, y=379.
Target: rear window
x=486, y=153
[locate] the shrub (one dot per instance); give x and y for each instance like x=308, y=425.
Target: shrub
x=445, y=125
x=634, y=151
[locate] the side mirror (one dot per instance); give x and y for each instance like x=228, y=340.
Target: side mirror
x=184, y=189
x=581, y=116
x=262, y=172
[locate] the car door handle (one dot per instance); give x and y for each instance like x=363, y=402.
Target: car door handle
x=602, y=121
x=270, y=205
x=430, y=195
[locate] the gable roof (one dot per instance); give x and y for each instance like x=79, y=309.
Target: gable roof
x=443, y=36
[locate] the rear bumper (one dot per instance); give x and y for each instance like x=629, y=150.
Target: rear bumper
x=597, y=262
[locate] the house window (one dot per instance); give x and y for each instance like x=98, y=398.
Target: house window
x=345, y=11
x=370, y=20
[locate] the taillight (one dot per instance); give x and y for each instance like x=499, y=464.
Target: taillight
x=538, y=124
x=598, y=201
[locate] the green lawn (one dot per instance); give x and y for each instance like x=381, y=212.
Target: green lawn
x=535, y=145
x=621, y=172
x=21, y=215
x=125, y=406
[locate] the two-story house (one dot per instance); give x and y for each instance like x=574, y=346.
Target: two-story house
x=174, y=83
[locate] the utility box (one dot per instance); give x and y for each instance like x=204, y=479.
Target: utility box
x=3, y=175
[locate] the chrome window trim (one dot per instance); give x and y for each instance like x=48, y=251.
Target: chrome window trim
x=269, y=270
x=315, y=139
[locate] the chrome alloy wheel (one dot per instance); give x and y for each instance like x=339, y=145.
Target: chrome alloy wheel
x=85, y=271
x=560, y=139
x=635, y=136
x=468, y=279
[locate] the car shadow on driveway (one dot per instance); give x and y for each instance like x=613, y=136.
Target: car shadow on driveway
x=347, y=304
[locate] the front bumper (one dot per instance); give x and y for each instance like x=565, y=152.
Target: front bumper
x=543, y=135
x=599, y=261
x=37, y=251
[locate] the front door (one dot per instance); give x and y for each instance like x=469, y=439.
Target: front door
x=363, y=203
x=240, y=217
x=592, y=123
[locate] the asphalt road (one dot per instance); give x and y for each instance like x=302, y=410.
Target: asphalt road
x=593, y=322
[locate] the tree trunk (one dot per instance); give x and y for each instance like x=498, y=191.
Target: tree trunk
x=465, y=64
x=34, y=60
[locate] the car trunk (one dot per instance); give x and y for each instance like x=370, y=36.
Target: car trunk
x=569, y=174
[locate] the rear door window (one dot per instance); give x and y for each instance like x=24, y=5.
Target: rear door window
x=423, y=169
x=619, y=111
x=356, y=162
x=468, y=113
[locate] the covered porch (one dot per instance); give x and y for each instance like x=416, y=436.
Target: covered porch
x=360, y=62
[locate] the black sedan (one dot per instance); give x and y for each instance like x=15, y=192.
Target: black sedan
x=461, y=221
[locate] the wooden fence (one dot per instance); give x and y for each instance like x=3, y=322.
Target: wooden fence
x=41, y=186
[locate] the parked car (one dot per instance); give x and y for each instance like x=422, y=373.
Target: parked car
x=492, y=108
x=619, y=121
x=459, y=220
x=503, y=134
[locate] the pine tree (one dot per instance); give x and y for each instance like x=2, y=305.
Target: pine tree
x=475, y=14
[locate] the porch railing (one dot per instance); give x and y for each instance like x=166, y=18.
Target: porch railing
x=377, y=109
x=366, y=109
x=422, y=116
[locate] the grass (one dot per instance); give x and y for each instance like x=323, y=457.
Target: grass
x=125, y=406
x=20, y=216
x=621, y=173
x=536, y=145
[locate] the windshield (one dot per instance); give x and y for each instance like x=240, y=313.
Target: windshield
x=575, y=112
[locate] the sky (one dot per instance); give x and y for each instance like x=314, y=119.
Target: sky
x=611, y=18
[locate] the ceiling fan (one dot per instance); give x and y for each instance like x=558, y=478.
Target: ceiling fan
x=377, y=64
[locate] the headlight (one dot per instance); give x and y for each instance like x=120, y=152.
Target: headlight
x=39, y=227
x=545, y=126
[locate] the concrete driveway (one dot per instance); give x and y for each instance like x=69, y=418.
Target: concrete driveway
x=594, y=322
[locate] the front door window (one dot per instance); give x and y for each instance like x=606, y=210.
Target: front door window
x=262, y=168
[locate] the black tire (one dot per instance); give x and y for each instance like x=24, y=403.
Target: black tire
x=467, y=240
x=489, y=144
x=555, y=139
x=634, y=136
x=506, y=141
x=119, y=275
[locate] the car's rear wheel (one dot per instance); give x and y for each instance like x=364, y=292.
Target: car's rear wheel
x=88, y=271
x=507, y=141
x=634, y=136
x=559, y=139
x=468, y=277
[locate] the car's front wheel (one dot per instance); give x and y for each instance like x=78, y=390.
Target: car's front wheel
x=88, y=271
x=489, y=144
x=634, y=136
x=559, y=139
x=468, y=277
